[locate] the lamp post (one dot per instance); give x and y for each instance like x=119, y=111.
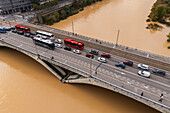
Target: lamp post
x=90, y=65
x=117, y=37
x=35, y=47
x=73, y=27
x=98, y=67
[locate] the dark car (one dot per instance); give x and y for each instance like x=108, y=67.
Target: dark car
x=14, y=31
x=67, y=48
x=8, y=29
x=127, y=62
x=159, y=72
x=20, y=32
x=32, y=33
x=120, y=64
x=95, y=52
x=27, y=34
x=90, y=55
x=105, y=55
x=12, y=28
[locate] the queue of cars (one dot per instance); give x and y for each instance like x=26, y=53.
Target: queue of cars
x=58, y=43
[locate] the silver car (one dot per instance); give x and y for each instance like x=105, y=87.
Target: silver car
x=58, y=45
x=144, y=73
x=102, y=59
x=77, y=51
x=143, y=66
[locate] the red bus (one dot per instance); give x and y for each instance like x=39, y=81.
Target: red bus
x=74, y=44
x=22, y=28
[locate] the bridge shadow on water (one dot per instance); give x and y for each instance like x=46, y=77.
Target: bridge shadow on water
x=92, y=96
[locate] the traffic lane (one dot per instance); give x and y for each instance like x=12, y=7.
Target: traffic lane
x=86, y=61
x=50, y=55
x=69, y=53
x=116, y=59
x=130, y=75
x=135, y=70
x=136, y=77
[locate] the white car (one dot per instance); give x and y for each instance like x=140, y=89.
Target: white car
x=144, y=73
x=58, y=45
x=143, y=66
x=59, y=41
x=102, y=59
x=77, y=51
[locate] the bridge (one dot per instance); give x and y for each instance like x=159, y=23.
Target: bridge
x=73, y=68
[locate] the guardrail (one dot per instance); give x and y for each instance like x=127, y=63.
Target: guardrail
x=132, y=94
x=109, y=44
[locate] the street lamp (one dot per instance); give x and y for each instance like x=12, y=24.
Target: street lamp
x=98, y=67
x=35, y=47
x=73, y=27
x=117, y=37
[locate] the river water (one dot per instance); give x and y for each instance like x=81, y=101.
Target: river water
x=27, y=87
x=103, y=19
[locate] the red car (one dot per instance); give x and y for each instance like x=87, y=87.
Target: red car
x=105, y=55
x=90, y=55
x=127, y=62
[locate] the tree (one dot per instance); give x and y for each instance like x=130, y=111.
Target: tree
x=160, y=12
x=63, y=14
x=57, y=15
x=35, y=7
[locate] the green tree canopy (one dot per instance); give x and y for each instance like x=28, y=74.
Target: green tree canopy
x=63, y=14
x=160, y=12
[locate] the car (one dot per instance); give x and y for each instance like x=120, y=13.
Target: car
x=143, y=66
x=160, y=72
x=12, y=28
x=58, y=45
x=27, y=34
x=120, y=64
x=102, y=59
x=90, y=55
x=59, y=41
x=14, y=31
x=105, y=55
x=7, y=28
x=95, y=52
x=128, y=62
x=32, y=33
x=144, y=73
x=76, y=51
x=67, y=48
x=20, y=32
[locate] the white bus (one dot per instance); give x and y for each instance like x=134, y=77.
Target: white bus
x=44, y=35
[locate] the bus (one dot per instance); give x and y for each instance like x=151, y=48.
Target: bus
x=45, y=35
x=74, y=44
x=22, y=28
x=44, y=43
x=2, y=30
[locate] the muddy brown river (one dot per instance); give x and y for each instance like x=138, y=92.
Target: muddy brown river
x=27, y=87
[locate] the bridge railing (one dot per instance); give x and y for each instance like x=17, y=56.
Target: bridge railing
x=134, y=95
x=109, y=44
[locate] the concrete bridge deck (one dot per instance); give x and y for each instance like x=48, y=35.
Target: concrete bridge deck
x=126, y=81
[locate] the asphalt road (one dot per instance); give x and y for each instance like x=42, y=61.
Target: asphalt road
x=128, y=78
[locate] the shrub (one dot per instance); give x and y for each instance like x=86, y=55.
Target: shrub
x=168, y=47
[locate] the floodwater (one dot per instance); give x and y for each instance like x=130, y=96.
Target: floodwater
x=27, y=87
x=103, y=19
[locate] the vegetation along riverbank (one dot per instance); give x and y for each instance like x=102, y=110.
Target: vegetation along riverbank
x=160, y=12
x=65, y=12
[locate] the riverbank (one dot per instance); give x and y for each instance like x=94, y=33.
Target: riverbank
x=66, y=11
x=160, y=12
